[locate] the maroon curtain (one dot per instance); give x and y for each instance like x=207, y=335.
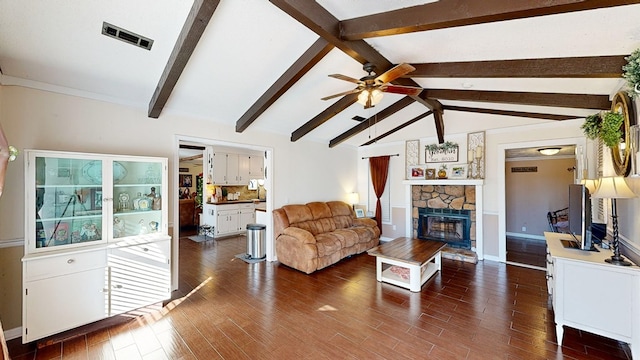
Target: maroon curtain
x=379, y=167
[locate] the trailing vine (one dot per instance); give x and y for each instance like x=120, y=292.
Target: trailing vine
x=445, y=146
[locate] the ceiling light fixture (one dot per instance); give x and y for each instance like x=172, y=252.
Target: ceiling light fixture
x=549, y=151
x=375, y=95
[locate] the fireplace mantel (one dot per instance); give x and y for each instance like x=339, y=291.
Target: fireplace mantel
x=478, y=183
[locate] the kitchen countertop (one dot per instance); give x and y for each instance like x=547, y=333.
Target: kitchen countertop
x=235, y=202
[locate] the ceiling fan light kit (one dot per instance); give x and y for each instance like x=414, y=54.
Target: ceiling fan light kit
x=371, y=87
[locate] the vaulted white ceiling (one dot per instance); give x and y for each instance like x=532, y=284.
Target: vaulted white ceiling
x=249, y=44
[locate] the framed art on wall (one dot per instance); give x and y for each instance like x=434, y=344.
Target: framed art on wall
x=430, y=173
x=186, y=180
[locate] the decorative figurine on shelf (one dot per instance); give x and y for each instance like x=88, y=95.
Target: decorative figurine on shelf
x=153, y=226
x=154, y=199
x=136, y=201
x=89, y=232
x=143, y=227
x=442, y=173
x=118, y=227
x=124, y=203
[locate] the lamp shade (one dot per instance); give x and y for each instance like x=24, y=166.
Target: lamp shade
x=591, y=184
x=375, y=94
x=354, y=198
x=613, y=187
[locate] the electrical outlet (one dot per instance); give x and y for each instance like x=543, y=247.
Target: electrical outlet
x=524, y=229
x=394, y=227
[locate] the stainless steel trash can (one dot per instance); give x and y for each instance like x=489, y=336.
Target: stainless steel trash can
x=256, y=242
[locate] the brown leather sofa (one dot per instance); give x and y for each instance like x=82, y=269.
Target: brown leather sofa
x=315, y=235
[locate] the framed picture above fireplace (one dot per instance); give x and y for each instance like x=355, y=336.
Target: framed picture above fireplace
x=416, y=173
x=458, y=171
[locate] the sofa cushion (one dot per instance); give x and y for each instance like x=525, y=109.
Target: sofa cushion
x=328, y=243
x=342, y=214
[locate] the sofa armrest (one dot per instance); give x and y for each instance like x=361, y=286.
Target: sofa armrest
x=364, y=222
x=302, y=235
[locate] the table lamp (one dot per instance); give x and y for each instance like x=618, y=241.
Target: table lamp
x=613, y=188
x=354, y=199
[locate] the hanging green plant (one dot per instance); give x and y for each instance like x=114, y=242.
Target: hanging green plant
x=591, y=126
x=605, y=126
x=631, y=73
x=610, y=132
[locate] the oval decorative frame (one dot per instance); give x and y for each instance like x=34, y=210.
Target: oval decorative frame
x=621, y=159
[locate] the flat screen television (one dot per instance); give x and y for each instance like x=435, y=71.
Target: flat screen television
x=579, y=217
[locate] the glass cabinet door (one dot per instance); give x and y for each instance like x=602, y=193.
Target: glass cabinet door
x=68, y=196
x=137, y=202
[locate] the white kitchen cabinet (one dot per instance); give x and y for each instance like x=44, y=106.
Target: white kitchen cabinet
x=247, y=216
x=243, y=169
x=220, y=168
x=235, y=169
x=230, y=219
x=81, y=209
x=592, y=295
x=227, y=222
x=256, y=167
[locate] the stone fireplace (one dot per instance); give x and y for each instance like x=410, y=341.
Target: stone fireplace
x=448, y=213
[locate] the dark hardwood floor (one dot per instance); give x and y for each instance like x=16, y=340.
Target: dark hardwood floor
x=228, y=309
x=527, y=251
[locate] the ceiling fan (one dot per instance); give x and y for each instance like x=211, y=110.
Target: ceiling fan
x=371, y=86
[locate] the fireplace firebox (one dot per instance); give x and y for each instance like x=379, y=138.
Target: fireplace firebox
x=449, y=225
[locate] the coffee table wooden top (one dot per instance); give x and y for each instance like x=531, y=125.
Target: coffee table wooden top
x=415, y=251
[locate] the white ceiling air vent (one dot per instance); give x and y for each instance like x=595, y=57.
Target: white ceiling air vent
x=126, y=36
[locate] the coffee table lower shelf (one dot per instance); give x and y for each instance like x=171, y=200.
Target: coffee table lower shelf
x=425, y=272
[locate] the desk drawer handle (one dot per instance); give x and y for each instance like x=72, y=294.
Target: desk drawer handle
x=70, y=261
x=145, y=249
x=549, y=276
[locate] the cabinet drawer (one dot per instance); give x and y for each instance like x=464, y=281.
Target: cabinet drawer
x=247, y=206
x=51, y=266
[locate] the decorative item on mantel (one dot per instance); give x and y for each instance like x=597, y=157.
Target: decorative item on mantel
x=475, y=155
x=412, y=154
x=438, y=153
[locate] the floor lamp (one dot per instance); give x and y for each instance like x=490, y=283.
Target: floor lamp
x=614, y=188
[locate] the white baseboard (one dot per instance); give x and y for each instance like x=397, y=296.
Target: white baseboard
x=526, y=236
x=385, y=239
x=491, y=258
x=13, y=333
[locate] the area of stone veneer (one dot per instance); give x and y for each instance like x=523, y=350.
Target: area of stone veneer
x=458, y=197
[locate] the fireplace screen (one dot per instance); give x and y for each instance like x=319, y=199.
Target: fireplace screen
x=448, y=225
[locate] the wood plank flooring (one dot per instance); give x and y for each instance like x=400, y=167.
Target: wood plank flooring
x=228, y=309
x=527, y=251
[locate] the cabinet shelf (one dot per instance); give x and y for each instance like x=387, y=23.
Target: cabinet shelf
x=71, y=218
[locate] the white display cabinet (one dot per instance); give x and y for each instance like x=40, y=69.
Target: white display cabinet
x=89, y=219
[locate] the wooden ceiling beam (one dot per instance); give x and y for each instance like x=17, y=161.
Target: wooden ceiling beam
x=579, y=101
x=192, y=30
x=324, y=116
x=452, y=13
x=308, y=60
x=375, y=119
x=398, y=128
x=512, y=113
x=573, y=67
x=319, y=20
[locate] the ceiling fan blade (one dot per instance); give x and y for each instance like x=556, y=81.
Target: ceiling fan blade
x=345, y=78
x=394, y=73
x=341, y=94
x=400, y=89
